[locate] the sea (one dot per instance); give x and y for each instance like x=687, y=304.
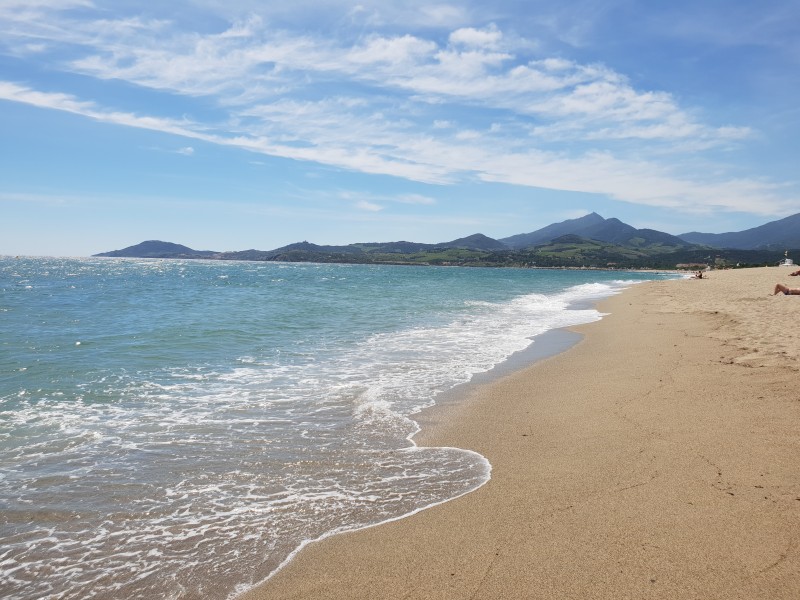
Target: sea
x=180, y=428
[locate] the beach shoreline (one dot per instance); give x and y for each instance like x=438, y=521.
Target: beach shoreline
x=655, y=458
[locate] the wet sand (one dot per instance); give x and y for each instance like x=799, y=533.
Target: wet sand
x=658, y=458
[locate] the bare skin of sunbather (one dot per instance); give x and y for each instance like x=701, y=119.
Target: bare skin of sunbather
x=785, y=289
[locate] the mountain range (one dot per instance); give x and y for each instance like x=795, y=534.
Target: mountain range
x=594, y=227
x=589, y=240
x=775, y=235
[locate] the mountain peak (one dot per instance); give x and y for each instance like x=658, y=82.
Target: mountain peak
x=594, y=227
x=546, y=234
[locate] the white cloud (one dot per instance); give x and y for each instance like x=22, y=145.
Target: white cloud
x=395, y=104
x=478, y=38
x=247, y=64
x=368, y=206
x=64, y=102
x=375, y=146
x=466, y=135
x=15, y=6
x=402, y=50
x=330, y=13
x=442, y=15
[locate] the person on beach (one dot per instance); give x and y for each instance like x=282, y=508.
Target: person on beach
x=795, y=273
x=785, y=289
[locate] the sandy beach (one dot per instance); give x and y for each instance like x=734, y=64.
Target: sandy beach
x=657, y=458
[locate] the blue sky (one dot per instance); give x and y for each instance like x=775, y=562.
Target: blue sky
x=237, y=124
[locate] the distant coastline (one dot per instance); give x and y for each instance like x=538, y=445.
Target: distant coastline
x=589, y=242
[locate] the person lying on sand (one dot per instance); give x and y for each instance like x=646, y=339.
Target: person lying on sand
x=795, y=273
x=779, y=287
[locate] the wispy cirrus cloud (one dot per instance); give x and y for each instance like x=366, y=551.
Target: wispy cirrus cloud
x=248, y=63
x=13, y=92
x=396, y=104
x=433, y=160
x=249, y=68
x=368, y=206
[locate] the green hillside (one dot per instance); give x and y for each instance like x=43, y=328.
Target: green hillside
x=588, y=242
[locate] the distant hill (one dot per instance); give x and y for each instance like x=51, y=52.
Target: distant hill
x=352, y=252
x=396, y=247
x=595, y=227
x=775, y=235
x=476, y=241
x=301, y=251
x=158, y=249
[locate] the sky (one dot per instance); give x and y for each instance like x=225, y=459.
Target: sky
x=238, y=124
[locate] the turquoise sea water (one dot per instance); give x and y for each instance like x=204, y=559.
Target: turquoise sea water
x=176, y=429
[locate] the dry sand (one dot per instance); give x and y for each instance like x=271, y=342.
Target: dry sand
x=658, y=458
